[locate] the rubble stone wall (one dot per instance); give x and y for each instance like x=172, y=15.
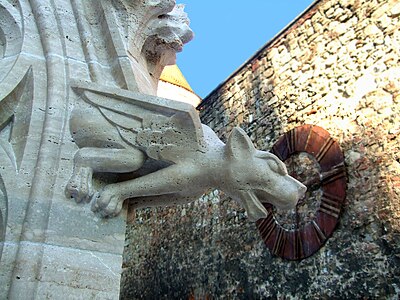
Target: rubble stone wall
x=338, y=67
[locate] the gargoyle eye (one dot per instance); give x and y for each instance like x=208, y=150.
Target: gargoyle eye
x=277, y=166
x=273, y=162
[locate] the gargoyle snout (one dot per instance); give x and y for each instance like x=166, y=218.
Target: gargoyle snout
x=295, y=192
x=300, y=191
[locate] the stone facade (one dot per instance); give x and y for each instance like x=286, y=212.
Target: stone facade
x=51, y=54
x=336, y=66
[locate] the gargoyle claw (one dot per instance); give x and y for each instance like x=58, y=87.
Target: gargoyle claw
x=107, y=203
x=79, y=186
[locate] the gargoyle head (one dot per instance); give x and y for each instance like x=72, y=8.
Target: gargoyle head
x=166, y=36
x=154, y=30
x=259, y=177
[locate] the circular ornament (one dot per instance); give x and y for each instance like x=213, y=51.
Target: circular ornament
x=316, y=160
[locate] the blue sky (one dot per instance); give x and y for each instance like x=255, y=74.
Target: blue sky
x=227, y=33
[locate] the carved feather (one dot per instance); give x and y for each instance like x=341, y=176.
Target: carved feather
x=158, y=126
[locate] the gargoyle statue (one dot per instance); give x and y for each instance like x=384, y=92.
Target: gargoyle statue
x=172, y=157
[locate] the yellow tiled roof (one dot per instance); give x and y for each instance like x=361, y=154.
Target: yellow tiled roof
x=173, y=74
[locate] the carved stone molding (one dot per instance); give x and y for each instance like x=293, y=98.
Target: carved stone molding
x=44, y=46
x=11, y=28
x=15, y=105
x=15, y=114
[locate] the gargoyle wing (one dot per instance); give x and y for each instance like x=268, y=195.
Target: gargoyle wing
x=165, y=129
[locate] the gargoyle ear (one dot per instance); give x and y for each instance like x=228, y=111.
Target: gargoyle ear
x=239, y=144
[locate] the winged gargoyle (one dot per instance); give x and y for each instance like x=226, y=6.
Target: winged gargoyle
x=175, y=158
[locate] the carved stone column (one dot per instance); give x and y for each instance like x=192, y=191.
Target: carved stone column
x=50, y=245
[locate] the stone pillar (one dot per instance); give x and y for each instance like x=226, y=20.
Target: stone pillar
x=52, y=246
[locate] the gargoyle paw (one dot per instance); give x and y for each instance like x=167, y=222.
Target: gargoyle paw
x=107, y=202
x=79, y=186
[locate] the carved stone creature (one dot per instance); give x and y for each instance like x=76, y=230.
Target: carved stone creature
x=172, y=157
x=166, y=155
